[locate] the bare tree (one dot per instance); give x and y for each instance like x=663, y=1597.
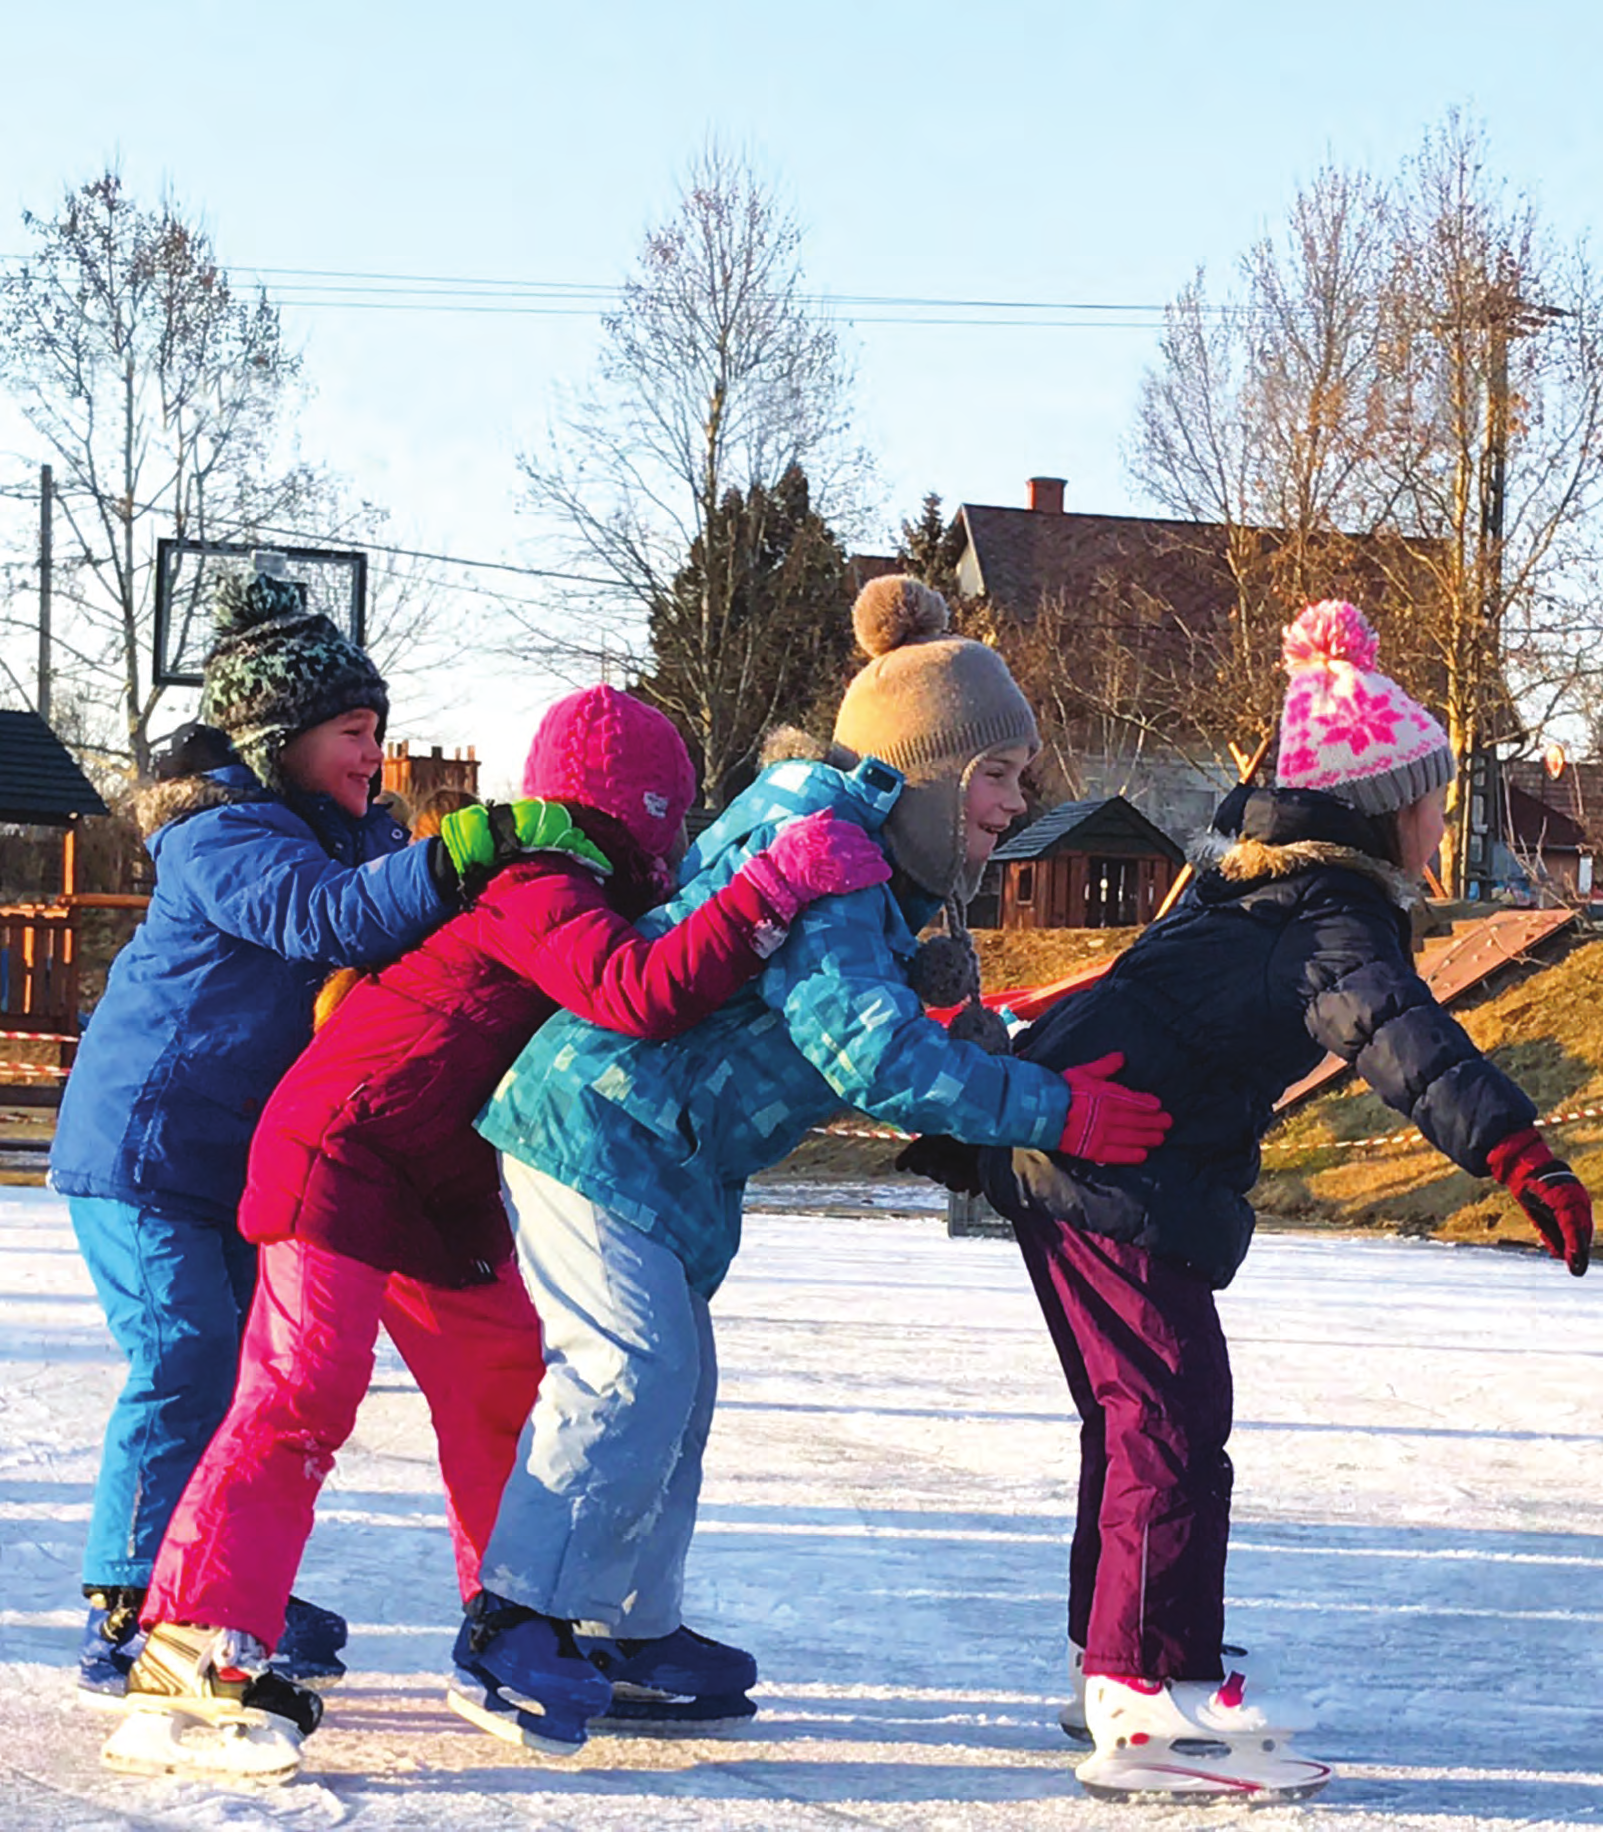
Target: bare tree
x=1402, y=403
x=718, y=377
x=1491, y=448
x=1257, y=420
x=156, y=391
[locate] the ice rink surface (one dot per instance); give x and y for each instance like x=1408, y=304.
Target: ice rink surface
x=1418, y=1549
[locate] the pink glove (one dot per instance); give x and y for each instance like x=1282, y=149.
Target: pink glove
x=1108, y=1123
x=818, y=856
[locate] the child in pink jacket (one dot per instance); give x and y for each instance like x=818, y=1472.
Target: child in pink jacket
x=374, y=1201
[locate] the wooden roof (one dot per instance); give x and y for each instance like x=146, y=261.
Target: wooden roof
x=1577, y=792
x=1110, y=825
x=1025, y=554
x=1538, y=824
x=40, y=784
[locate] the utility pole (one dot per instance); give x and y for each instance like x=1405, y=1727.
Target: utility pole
x=1505, y=316
x=46, y=496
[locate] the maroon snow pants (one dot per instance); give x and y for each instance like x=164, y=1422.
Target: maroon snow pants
x=1147, y=1367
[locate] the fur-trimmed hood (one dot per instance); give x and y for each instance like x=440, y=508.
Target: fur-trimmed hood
x=1252, y=861
x=159, y=804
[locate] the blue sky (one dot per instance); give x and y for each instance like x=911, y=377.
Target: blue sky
x=1062, y=153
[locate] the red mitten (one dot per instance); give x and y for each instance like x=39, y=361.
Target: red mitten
x=1109, y=1123
x=1549, y=1192
x=817, y=856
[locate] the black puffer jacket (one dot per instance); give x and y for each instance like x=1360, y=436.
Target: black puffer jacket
x=1293, y=941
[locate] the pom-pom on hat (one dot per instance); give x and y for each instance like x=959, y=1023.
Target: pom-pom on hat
x=277, y=669
x=606, y=750
x=1347, y=728
x=930, y=704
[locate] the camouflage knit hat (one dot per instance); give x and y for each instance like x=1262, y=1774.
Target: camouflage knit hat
x=931, y=705
x=278, y=669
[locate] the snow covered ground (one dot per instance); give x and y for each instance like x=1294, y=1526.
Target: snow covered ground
x=1418, y=1548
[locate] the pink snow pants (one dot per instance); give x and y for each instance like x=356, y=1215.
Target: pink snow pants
x=235, y=1542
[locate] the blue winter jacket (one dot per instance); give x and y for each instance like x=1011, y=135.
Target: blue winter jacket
x=1291, y=944
x=211, y=1000
x=664, y=1135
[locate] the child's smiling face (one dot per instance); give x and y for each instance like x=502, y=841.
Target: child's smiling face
x=338, y=758
x=993, y=801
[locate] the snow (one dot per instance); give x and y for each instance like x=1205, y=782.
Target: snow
x=1418, y=1549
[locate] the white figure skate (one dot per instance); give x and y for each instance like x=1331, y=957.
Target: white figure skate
x=1193, y=1740
x=203, y=1701
x=1072, y=1716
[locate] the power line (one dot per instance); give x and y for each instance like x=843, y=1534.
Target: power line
x=360, y=290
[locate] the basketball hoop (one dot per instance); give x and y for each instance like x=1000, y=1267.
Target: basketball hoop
x=331, y=580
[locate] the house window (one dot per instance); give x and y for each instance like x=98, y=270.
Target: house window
x=1024, y=888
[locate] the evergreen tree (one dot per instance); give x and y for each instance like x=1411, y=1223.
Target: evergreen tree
x=931, y=547
x=784, y=642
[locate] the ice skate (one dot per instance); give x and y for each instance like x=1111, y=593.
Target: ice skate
x=204, y=1701
x=1193, y=1740
x=682, y=1681
x=520, y=1676
x=112, y=1642
x=307, y=1655
x=308, y=1651
x=1072, y=1716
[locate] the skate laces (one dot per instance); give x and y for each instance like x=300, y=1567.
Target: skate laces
x=234, y=1655
x=490, y=1615
x=122, y=1605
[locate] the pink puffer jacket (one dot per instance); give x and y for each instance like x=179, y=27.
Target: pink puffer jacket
x=367, y=1146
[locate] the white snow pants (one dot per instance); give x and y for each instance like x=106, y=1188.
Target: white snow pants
x=598, y=1513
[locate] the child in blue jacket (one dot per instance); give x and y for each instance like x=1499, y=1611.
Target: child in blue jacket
x=625, y=1163
x=271, y=866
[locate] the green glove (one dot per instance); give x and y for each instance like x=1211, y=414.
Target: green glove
x=480, y=840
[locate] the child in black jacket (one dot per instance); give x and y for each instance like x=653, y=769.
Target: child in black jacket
x=1293, y=941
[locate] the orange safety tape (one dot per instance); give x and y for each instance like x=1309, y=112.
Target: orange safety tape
x=1411, y=1136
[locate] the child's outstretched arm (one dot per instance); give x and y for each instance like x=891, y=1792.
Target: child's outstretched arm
x=555, y=927
x=263, y=878
x=1375, y=1011
x=850, y=1011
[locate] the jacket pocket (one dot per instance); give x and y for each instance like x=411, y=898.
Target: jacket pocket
x=197, y=1130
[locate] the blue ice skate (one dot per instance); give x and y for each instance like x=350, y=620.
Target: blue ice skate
x=682, y=1679
x=308, y=1651
x=520, y=1676
x=112, y=1641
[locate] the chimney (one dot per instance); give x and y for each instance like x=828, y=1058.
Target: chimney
x=1046, y=495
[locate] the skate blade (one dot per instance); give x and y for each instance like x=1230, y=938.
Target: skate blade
x=1073, y=1726
x=1263, y=1781
x=512, y=1724
x=109, y=1704
x=638, y=1711
x=153, y=1741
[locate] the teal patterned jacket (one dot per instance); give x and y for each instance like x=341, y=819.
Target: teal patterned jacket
x=664, y=1135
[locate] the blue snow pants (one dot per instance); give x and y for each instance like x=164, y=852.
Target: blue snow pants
x=597, y=1516
x=175, y=1293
